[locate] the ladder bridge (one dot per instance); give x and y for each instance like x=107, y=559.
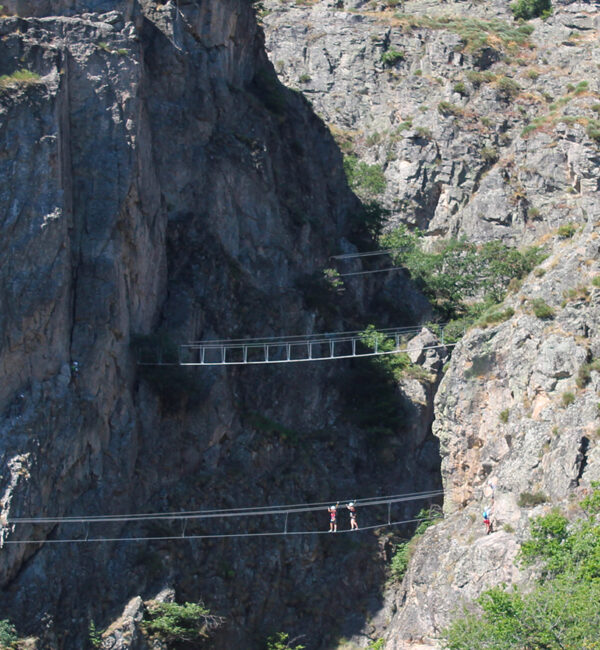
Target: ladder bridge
x=294, y=349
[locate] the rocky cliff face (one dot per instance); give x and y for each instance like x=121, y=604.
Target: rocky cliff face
x=486, y=130
x=481, y=127
x=161, y=186
x=517, y=418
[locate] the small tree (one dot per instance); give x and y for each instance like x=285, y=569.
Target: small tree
x=174, y=623
x=8, y=634
x=282, y=641
x=526, y=9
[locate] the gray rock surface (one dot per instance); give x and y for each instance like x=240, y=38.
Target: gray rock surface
x=461, y=155
x=514, y=418
x=159, y=182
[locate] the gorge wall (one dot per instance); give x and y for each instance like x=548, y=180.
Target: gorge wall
x=160, y=186
x=487, y=129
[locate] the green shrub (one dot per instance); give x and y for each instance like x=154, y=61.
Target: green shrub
x=542, y=309
x=489, y=155
x=567, y=398
x=304, y=78
x=585, y=373
x=533, y=212
x=495, y=316
x=400, y=560
x=373, y=139
x=404, y=126
x=423, y=132
x=378, y=644
x=94, y=635
x=333, y=280
x=567, y=230
x=8, y=634
x=596, y=281
x=460, y=88
x=531, y=499
x=282, y=641
x=405, y=549
x=532, y=74
x=504, y=415
x=526, y=9
x=390, y=57
x=477, y=77
x=272, y=428
x=593, y=130
x=560, y=609
x=457, y=271
x=429, y=517
x=447, y=108
x=581, y=87
x=367, y=181
x=173, y=623
x=418, y=73
x=19, y=78
x=507, y=88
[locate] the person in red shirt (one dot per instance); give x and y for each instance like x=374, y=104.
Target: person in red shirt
x=332, y=519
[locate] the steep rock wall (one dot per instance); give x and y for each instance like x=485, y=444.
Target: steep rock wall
x=158, y=178
x=517, y=416
x=479, y=131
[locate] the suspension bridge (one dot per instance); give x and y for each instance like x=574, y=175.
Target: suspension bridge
x=286, y=515
x=292, y=349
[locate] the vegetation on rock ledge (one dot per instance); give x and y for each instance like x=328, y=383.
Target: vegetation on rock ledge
x=561, y=612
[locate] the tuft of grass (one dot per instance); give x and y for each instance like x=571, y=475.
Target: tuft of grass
x=507, y=88
x=423, y=132
x=475, y=34
x=489, y=155
x=447, y=108
x=584, y=374
x=567, y=230
x=19, y=78
x=495, y=316
x=531, y=499
x=542, y=309
x=567, y=398
x=460, y=88
x=504, y=415
x=391, y=56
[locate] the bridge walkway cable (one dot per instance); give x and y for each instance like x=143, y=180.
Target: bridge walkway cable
x=294, y=349
x=283, y=511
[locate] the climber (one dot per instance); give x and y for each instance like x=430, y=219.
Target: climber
x=332, y=518
x=486, y=521
x=352, y=509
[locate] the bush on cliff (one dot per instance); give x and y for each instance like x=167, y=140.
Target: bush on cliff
x=366, y=180
x=8, y=634
x=526, y=9
x=179, y=624
x=456, y=273
x=561, y=611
